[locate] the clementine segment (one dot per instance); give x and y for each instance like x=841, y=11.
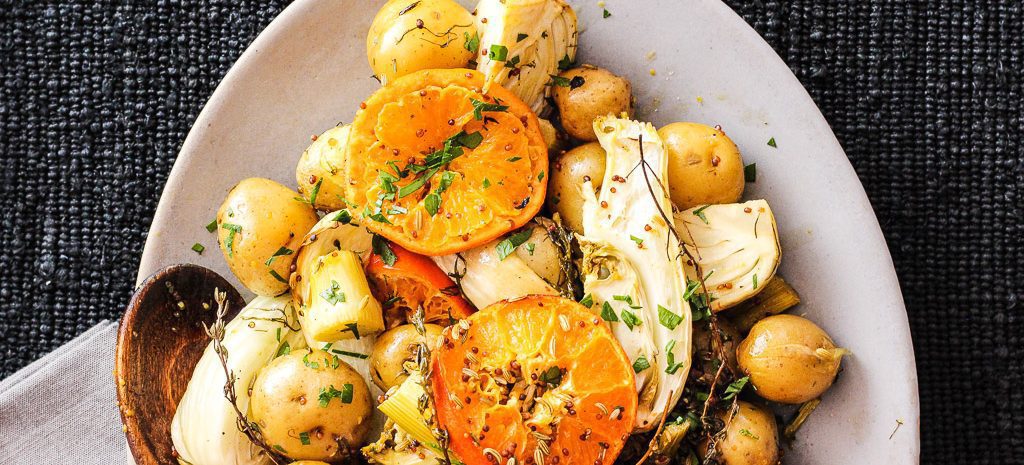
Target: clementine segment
x=539, y=379
x=438, y=167
x=413, y=281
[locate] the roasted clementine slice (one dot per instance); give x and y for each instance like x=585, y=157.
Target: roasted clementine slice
x=438, y=167
x=540, y=379
x=412, y=281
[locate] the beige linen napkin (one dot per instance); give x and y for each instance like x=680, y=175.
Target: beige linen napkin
x=63, y=407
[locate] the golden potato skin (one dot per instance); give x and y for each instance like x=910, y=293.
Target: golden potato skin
x=704, y=165
x=258, y=217
x=323, y=164
x=288, y=399
x=308, y=462
x=602, y=93
x=751, y=437
x=565, y=185
x=393, y=348
x=431, y=34
x=542, y=255
x=789, y=359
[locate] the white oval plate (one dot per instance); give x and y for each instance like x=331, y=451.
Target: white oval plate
x=308, y=70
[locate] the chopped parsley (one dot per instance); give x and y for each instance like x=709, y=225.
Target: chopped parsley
x=628, y=300
x=755, y=280
x=699, y=213
x=514, y=159
x=531, y=247
x=383, y=249
x=229, y=242
x=772, y=144
x=198, y=248
x=280, y=253
x=278, y=277
x=639, y=241
x=432, y=202
x=472, y=42
x=641, y=364
x=565, y=63
x=309, y=364
x=587, y=301
x=328, y=393
x=304, y=437
x=480, y=107
x=607, y=312
x=735, y=387
x=285, y=349
x=487, y=183
x=606, y=14
x=667, y=318
x=212, y=226
x=510, y=243
x=750, y=173
x=559, y=81
x=748, y=434
x=630, y=319
x=498, y=52
x=343, y=217
x=350, y=354
x=670, y=359
x=552, y=376
x=333, y=295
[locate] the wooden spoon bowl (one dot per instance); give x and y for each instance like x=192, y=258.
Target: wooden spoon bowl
x=159, y=343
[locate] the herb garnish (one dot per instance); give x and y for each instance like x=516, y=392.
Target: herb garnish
x=607, y=312
x=667, y=318
x=587, y=301
x=480, y=107
x=750, y=173
x=383, y=249
x=772, y=144
x=472, y=43
x=670, y=359
x=333, y=295
x=510, y=243
x=606, y=14
x=280, y=253
x=229, y=242
x=735, y=388
x=198, y=248
x=552, y=376
x=630, y=319
x=565, y=63
x=212, y=226
x=328, y=393
x=498, y=52
x=304, y=438
x=350, y=354
x=278, y=276
x=639, y=241
x=641, y=364
x=699, y=213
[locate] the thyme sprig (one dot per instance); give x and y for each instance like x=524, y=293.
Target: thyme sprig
x=216, y=333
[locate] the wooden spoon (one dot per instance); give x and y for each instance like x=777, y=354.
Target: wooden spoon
x=159, y=343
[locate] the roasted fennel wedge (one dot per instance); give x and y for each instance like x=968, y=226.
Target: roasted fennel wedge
x=735, y=246
x=205, y=426
x=485, y=276
x=523, y=43
x=629, y=247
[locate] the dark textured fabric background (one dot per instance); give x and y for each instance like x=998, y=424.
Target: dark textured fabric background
x=96, y=98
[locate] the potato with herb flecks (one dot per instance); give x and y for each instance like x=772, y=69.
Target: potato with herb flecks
x=789, y=359
x=320, y=173
x=565, y=185
x=751, y=437
x=309, y=403
x=704, y=165
x=408, y=36
x=393, y=348
x=586, y=92
x=259, y=227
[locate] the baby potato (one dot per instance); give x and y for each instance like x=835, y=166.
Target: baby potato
x=592, y=92
x=321, y=170
x=542, y=255
x=309, y=401
x=565, y=184
x=704, y=165
x=751, y=437
x=408, y=36
x=393, y=348
x=789, y=359
x=259, y=226
x=308, y=462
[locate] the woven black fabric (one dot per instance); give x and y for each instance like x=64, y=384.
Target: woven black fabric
x=926, y=96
